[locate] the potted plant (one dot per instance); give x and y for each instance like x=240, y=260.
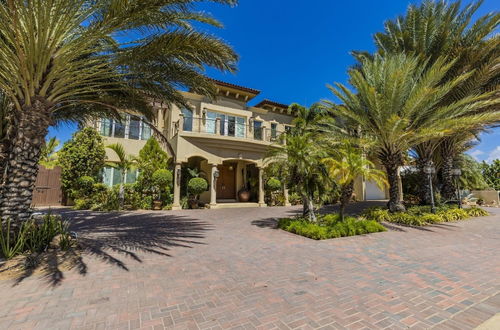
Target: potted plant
x=244, y=195
x=162, y=179
x=195, y=187
x=273, y=185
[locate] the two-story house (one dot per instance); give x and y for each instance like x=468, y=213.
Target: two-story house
x=225, y=139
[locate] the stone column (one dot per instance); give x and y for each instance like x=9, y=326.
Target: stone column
x=262, y=202
x=177, y=187
x=285, y=195
x=213, y=187
x=217, y=126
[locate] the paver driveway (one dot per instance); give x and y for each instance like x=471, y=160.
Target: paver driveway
x=229, y=269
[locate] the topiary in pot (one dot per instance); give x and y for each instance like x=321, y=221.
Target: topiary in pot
x=195, y=187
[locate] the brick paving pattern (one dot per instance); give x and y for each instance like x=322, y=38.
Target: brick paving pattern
x=229, y=269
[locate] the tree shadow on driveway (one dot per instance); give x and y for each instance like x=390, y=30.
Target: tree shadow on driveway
x=114, y=238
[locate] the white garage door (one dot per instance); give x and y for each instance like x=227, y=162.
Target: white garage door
x=373, y=192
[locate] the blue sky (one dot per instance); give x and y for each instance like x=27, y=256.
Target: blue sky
x=291, y=52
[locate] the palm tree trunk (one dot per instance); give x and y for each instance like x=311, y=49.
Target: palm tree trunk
x=308, y=208
x=345, y=197
x=392, y=163
x=122, y=189
x=448, y=189
x=425, y=186
x=22, y=166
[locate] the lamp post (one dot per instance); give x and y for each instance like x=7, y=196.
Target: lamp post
x=429, y=170
x=456, y=172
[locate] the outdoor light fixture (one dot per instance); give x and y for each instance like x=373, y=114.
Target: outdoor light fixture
x=429, y=170
x=457, y=172
x=216, y=174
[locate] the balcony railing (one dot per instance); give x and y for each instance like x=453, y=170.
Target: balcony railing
x=230, y=128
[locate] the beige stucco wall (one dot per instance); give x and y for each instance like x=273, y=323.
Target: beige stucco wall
x=490, y=197
x=132, y=147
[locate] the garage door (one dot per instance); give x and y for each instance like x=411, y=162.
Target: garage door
x=373, y=192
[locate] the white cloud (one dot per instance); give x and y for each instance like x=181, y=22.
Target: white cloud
x=476, y=153
x=494, y=154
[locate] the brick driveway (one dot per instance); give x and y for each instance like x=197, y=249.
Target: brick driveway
x=229, y=269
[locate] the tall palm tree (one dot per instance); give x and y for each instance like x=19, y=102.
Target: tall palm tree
x=348, y=164
x=124, y=164
x=439, y=28
x=66, y=60
x=300, y=159
x=396, y=106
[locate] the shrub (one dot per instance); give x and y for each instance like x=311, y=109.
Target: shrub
x=33, y=236
x=454, y=215
x=330, y=226
x=476, y=212
x=147, y=203
x=376, y=213
x=295, y=199
x=85, y=186
x=197, y=185
x=162, y=178
x=273, y=184
x=82, y=204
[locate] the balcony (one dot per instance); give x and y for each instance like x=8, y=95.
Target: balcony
x=237, y=130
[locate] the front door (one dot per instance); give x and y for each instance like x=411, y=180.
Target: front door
x=226, y=183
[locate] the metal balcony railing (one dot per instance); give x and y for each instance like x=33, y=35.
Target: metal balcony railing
x=231, y=128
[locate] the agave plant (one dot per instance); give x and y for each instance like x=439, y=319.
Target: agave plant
x=69, y=60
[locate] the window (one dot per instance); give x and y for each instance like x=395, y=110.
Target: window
x=111, y=176
x=106, y=127
x=188, y=120
x=145, y=131
x=210, y=122
x=257, y=130
x=130, y=127
x=274, y=130
x=134, y=128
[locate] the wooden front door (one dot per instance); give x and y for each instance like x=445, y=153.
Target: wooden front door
x=48, y=191
x=226, y=183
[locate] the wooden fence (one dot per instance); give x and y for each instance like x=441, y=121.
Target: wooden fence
x=48, y=190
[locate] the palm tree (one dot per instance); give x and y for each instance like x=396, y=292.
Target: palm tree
x=397, y=106
x=48, y=157
x=300, y=159
x=124, y=164
x=347, y=164
x=439, y=28
x=66, y=60
x=4, y=134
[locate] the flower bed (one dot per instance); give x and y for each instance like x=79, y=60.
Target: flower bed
x=422, y=215
x=330, y=226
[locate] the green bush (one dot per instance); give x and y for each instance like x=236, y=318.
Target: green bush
x=197, y=185
x=85, y=186
x=421, y=215
x=162, y=178
x=295, y=199
x=476, y=212
x=376, y=213
x=330, y=226
x=82, y=204
x=273, y=184
x=147, y=203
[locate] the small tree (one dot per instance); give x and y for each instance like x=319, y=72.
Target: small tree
x=491, y=173
x=196, y=186
x=162, y=179
x=151, y=159
x=83, y=155
x=345, y=166
x=124, y=164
